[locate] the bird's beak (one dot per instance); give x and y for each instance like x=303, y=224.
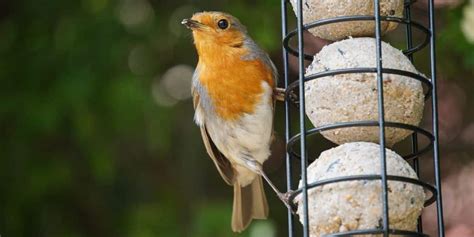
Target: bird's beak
x=191, y=24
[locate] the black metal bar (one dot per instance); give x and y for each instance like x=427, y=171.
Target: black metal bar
x=368, y=177
x=414, y=136
x=334, y=72
x=289, y=173
x=383, y=162
x=439, y=203
x=416, y=164
x=409, y=30
x=320, y=129
x=326, y=21
x=304, y=158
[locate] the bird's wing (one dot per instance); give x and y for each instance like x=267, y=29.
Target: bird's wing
x=223, y=165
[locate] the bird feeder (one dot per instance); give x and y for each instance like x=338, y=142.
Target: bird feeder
x=377, y=185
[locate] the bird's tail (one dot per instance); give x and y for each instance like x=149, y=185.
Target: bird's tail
x=250, y=203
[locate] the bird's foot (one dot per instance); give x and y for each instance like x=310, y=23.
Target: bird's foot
x=285, y=198
x=279, y=94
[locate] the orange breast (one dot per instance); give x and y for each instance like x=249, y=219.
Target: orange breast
x=234, y=85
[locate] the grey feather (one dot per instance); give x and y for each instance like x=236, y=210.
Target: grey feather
x=256, y=53
x=204, y=100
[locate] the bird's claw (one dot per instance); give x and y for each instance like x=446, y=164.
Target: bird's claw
x=280, y=95
x=285, y=198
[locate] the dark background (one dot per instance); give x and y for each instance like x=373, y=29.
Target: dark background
x=96, y=123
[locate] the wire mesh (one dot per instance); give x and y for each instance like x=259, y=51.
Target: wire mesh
x=297, y=98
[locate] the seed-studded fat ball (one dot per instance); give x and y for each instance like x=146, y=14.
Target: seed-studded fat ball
x=357, y=205
x=314, y=10
x=353, y=97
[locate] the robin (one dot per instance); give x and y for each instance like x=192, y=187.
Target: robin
x=234, y=90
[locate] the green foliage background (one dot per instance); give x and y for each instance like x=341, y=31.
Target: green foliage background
x=85, y=150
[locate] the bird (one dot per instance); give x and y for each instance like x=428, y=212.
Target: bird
x=234, y=92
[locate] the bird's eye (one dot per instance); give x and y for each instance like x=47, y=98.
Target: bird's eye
x=223, y=24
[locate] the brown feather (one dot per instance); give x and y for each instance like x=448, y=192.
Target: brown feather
x=222, y=164
x=250, y=203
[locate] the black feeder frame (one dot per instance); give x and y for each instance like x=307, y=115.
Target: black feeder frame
x=293, y=139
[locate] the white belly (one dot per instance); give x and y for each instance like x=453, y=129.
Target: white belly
x=250, y=135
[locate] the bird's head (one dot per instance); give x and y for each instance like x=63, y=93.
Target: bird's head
x=216, y=30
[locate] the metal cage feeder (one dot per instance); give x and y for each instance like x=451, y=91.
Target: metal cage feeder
x=292, y=139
